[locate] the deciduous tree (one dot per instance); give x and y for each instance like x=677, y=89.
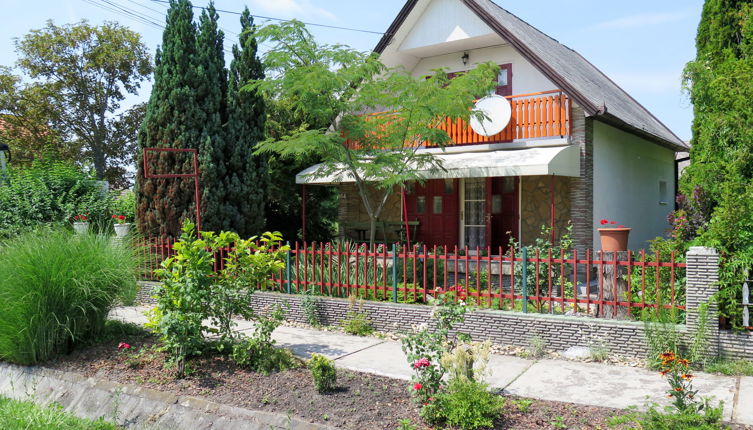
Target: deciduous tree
x=336, y=87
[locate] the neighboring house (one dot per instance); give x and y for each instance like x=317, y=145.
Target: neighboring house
x=578, y=148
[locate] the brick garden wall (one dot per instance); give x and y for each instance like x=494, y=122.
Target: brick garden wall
x=514, y=328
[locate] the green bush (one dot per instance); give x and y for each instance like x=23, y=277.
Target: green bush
x=466, y=404
x=357, y=321
x=258, y=352
x=323, y=372
x=125, y=204
x=50, y=193
x=58, y=288
x=656, y=419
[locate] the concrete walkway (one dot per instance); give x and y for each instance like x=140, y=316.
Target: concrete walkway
x=559, y=380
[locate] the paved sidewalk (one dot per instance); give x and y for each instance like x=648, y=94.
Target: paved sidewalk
x=560, y=380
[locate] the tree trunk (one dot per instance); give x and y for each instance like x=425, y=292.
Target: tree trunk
x=614, y=287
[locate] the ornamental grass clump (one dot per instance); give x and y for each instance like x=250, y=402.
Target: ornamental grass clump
x=58, y=289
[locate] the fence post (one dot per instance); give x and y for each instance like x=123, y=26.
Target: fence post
x=288, y=270
x=524, y=276
x=394, y=273
x=702, y=273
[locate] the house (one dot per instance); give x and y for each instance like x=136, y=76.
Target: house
x=577, y=149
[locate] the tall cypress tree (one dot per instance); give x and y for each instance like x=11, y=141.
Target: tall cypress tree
x=173, y=120
x=245, y=180
x=212, y=99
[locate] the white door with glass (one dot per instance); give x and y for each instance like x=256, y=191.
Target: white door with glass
x=472, y=213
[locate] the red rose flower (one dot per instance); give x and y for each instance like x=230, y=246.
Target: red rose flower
x=613, y=222
x=123, y=345
x=604, y=221
x=418, y=386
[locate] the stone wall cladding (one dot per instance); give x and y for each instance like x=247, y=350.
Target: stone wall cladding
x=504, y=328
x=351, y=208
x=702, y=276
x=535, y=208
x=582, y=187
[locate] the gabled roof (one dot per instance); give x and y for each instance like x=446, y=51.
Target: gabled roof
x=598, y=95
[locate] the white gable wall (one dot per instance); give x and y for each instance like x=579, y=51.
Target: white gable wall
x=626, y=177
x=525, y=77
x=445, y=21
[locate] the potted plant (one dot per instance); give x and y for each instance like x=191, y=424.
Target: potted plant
x=614, y=237
x=81, y=224
x=121, y=226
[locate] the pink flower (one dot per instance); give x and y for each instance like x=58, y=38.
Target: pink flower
x=422, y=362
x=123, y=345
x=620, y=226
x=418, y=386
x=613, y=222
x=604, y=221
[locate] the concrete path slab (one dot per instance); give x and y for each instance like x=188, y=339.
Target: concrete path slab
x=388, y=359
x=744, y=407
x=611, y=386
x=304, y=342
x=504, y=369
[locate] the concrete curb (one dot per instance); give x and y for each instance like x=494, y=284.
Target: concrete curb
x=135, y=407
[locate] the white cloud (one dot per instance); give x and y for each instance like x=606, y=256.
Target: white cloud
x=642, y=20
x=293, y=9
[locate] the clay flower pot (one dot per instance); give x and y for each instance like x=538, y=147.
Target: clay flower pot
x=614, y=239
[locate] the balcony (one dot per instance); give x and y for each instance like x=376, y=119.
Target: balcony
x=534, y=116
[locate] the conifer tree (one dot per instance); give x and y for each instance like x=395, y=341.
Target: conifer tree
x=245, y=178
x=173, y=120
x=212, y=98
x=720, y=87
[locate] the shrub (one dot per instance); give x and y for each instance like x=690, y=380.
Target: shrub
x=661, y=335
x=125, y=204
x=61, y=287
x=323, y=372
x=258, y=352
x=191, y=292
x=50, y=193
x=310, y=307
x=357, y=321
x=468, y=405
x=424, y=348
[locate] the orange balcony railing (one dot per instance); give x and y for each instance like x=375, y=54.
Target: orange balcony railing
x=535, y=115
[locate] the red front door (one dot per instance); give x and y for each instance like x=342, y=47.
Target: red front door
x=435, y=206
x=503, y=214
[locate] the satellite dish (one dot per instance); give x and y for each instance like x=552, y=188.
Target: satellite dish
x=498, y=112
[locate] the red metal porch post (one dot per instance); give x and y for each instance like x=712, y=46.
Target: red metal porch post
x=405, y=214
x=551, y=208
x=303, y=212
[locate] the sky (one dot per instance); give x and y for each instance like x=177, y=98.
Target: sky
x=643, y=45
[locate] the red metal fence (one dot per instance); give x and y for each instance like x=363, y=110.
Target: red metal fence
x=608, y=285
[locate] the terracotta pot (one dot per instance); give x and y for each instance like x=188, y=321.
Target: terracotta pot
x=121, y=230
x=614, y=239
x=81, y=227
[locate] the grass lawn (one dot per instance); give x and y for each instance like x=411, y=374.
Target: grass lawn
x=15, y=415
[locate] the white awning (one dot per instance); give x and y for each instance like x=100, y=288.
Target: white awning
x=553, y=160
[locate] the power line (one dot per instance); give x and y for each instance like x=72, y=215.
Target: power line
x=285, y=20
x=136, y=15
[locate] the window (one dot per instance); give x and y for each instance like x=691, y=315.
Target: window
x=436, y=205
x=663, y=193
x=449, y=186
x=496, y=204
x=421, y=204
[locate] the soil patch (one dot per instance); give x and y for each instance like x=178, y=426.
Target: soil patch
x=361, y=402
